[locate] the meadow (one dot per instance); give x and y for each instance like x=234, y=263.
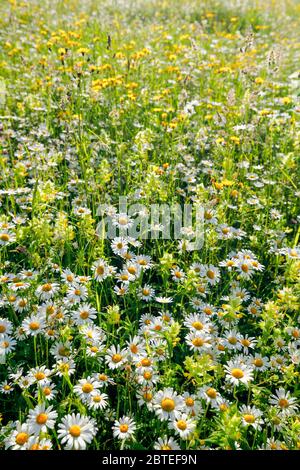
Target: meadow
x=143, y=339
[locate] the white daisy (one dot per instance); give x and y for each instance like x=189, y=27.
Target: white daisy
x=76, y=431
x=40, y=419
x=168, y=404
x=124, y=428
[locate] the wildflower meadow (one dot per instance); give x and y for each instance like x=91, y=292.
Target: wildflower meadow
x=149, y=225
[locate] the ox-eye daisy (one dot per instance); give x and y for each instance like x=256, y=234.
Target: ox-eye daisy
x=124, y=428
x=183, y=425
x=41, y=418
x=238, y=373
x=76, y=431
x=168, y=404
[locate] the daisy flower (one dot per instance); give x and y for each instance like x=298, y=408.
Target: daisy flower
x=6, y=327
x=146, y=293
x=85, y=313
x=119, y=245
x=6, y=387
x=191, y=404
x=65, y=367
x=259, y=362
x=183, y=425
x=136, y=346
x=115, y=357
x=100, y=269
x=46, y=391
x=210, y=395
x=196, y=322
x=6, y=237
x=40, y=419
x=124, y=428
x=40, y=374
x=177, y=274
x=98, y=401
x=238, y=373
x=77, y=293
x=284, y=402
x=251, y=416
x=19, y=437
x=34, y=324
x=166, y=443
x=198, y=341
x=86, y=388
x=210, y=273
x=167, y=404
x=7, y=344
x=68, y=276
x=47, y=291
x=76, y=431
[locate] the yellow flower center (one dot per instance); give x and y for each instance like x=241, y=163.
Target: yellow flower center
x=2, y=329
x=146, y=291
x=207, y=311
x=147, y=396
x=77, y=292
x=145, y=362
x=237, y=373
x=283, y=403
x=181, y=425
x=245, y=268
x=245, y=342
x=97, y=398
x=87, y=388
x=210, y=274
x=34, y=325
x=168, y=404
x=197, y=325
x=223, y=407
x=147, y=375
x=94, y=349
x=50, y=310
x=123, y=427
x=258, y=362
x=198, y=342
x=249, y=418
x=40, y=375
x=132, y=269
x=165, y=447
x=47, y=391
x=70, y=277
x=41, y=418
x=116, y=358
x=189, y=401
x=75, y=430
x=134, y=348
x=232, y=340
x=35, y=447
x=46, y=288
x=100, y=270
x=102, y=377
x=211, y=393
x=84, y=315
x=22, y=438
x=4, y=237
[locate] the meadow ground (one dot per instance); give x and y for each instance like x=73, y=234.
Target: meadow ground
x=156, y=335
